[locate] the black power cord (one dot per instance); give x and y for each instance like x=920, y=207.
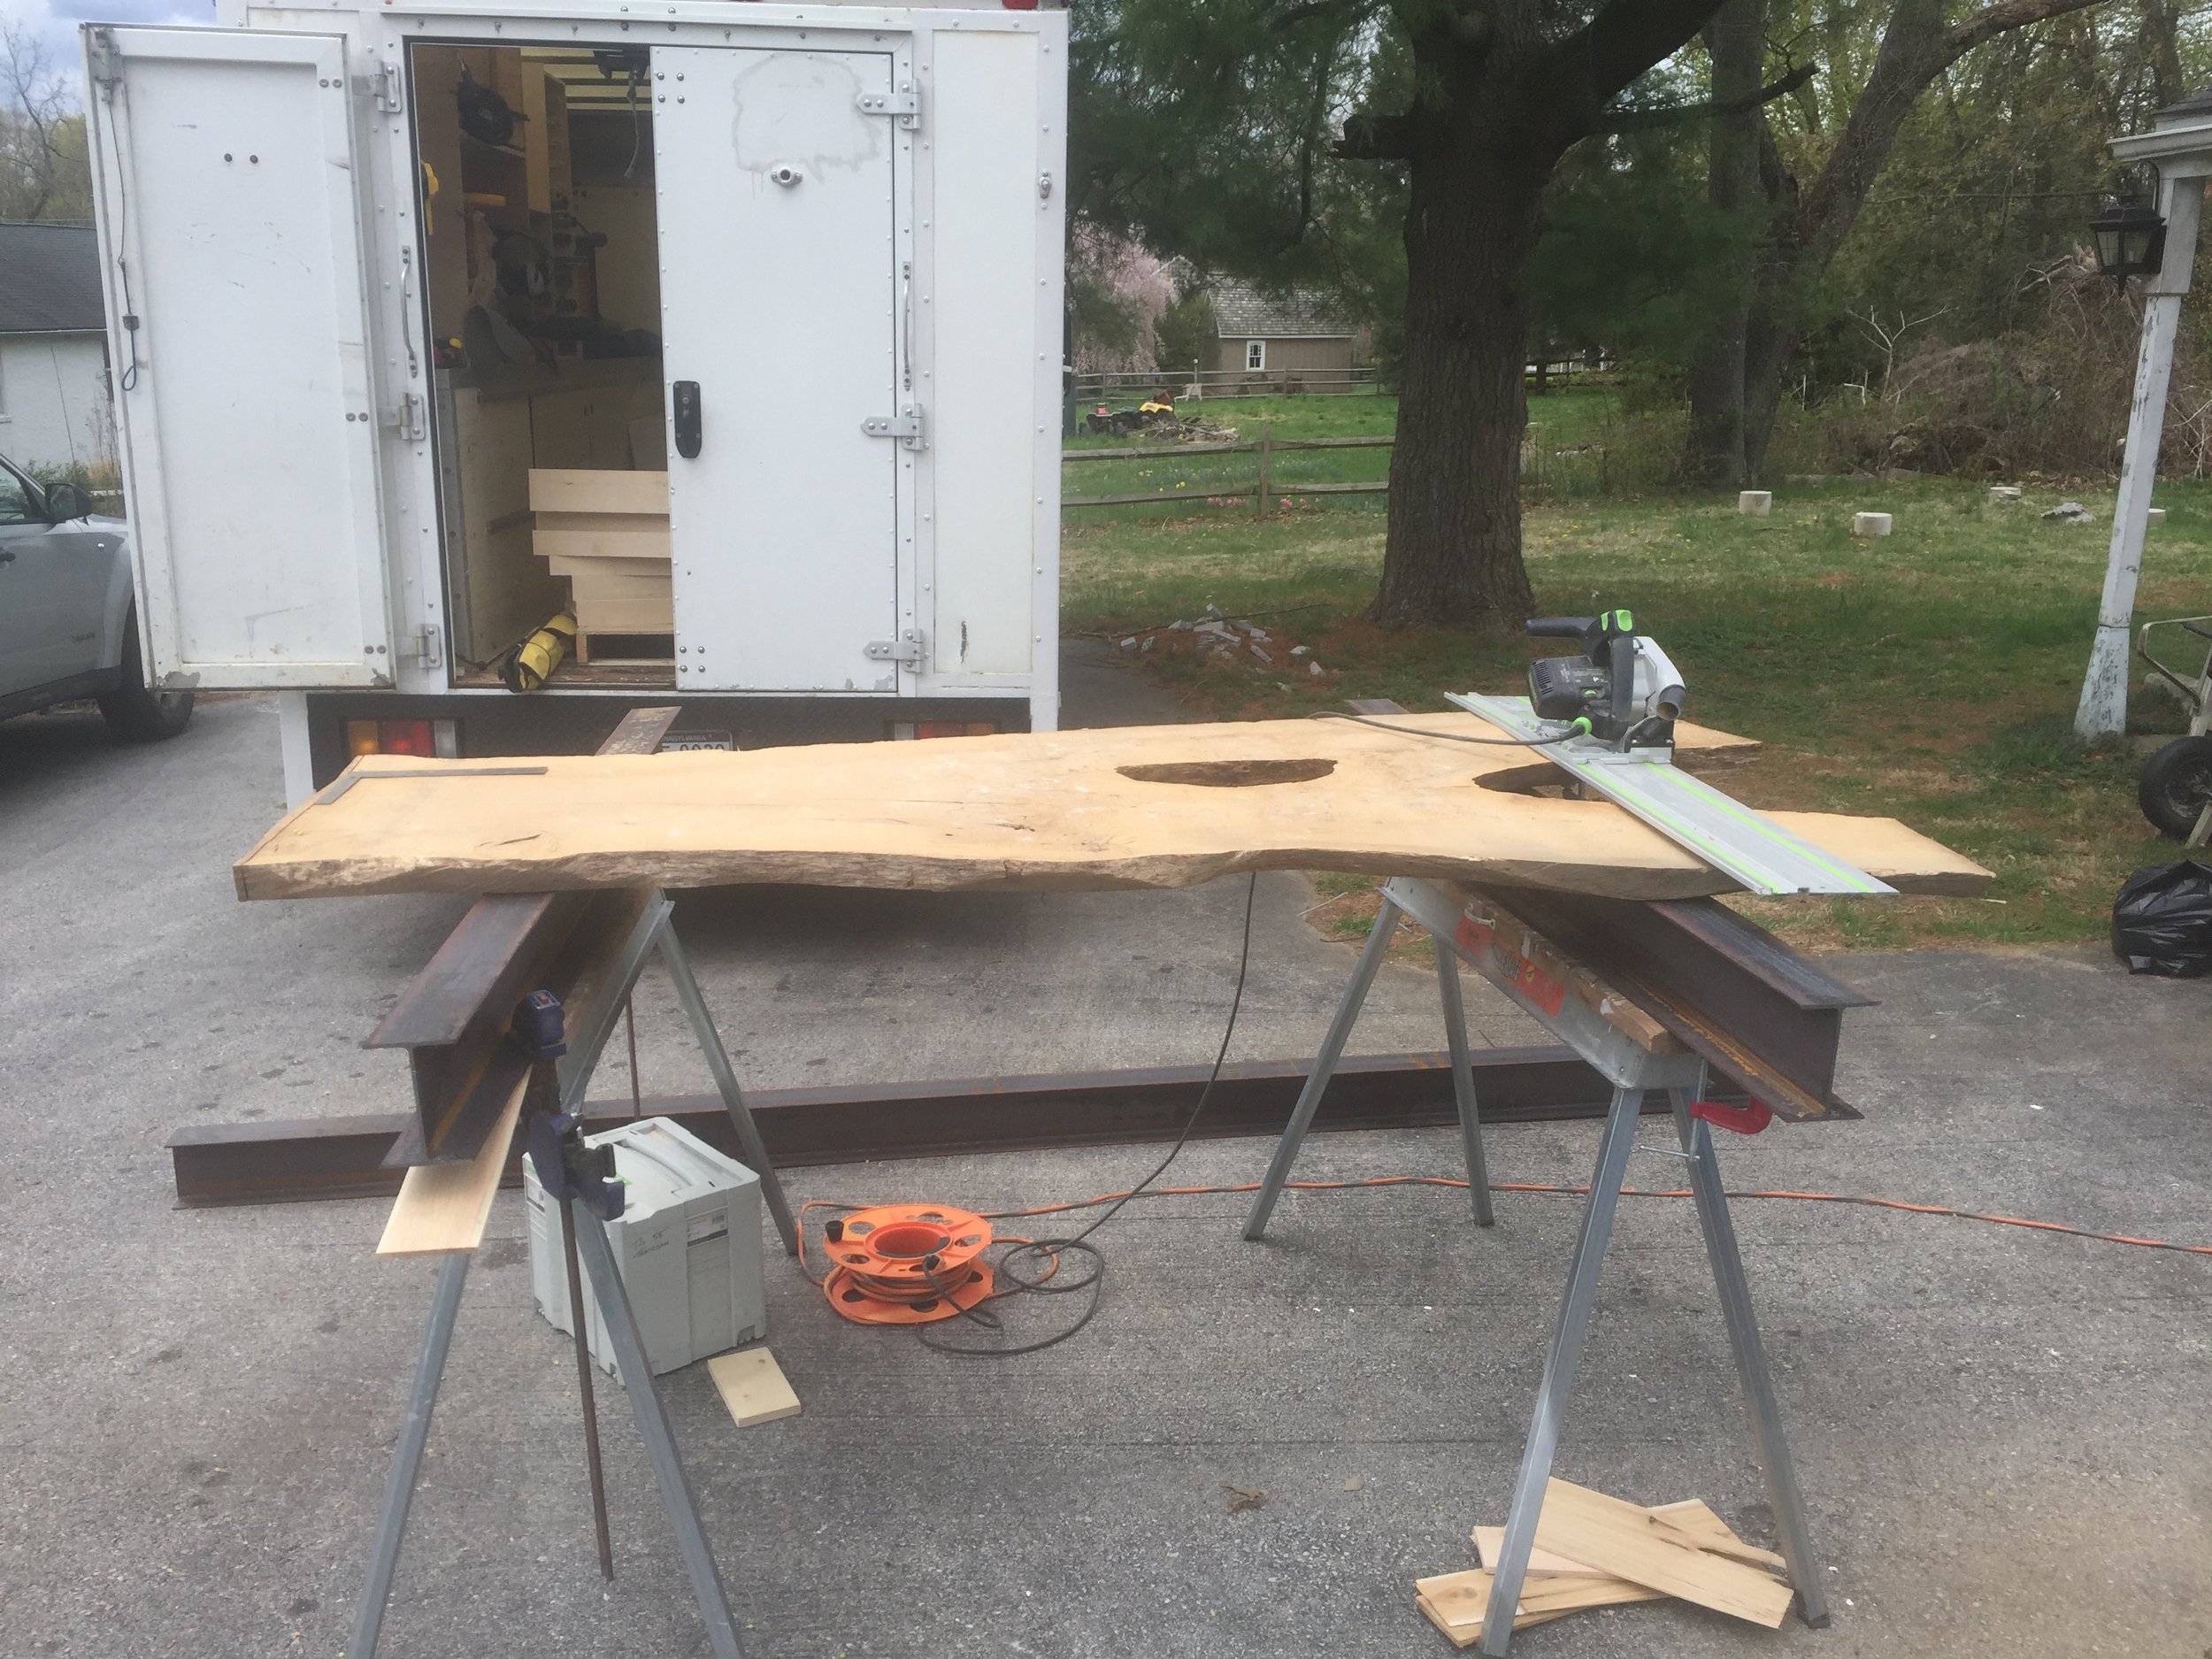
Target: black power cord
x=1448, y=737
x=1051, y=1251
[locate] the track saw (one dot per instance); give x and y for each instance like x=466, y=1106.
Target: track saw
x=1606, y=718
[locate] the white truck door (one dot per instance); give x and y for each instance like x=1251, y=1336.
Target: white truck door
x=232, y=257
x=779, y=306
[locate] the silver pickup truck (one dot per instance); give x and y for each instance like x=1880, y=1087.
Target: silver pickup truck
x=68, y=625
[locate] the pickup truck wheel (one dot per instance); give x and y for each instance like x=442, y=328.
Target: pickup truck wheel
x=136, y=711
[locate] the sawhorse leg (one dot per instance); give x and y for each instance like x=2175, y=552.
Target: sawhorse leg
x=1464, y=1082
x=656, y=929
x=1613, y=1147
x=645, y=1402
x=1324, y=1066
x=1773, y=1447
x=660, y=1440
x=414, y=1434
x=709, y=1042
x=1370, y=960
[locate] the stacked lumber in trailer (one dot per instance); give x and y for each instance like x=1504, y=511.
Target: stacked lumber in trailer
x=607, y=532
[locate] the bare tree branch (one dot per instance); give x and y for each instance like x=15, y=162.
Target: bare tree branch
x=1671, y=114
x=1970, y=32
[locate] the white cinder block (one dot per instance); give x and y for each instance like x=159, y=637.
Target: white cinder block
x=1757, y=503
x=1999, y=494
x=1870, y=524
x=2157, y=515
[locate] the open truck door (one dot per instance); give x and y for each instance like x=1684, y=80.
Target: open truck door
x=230, y=236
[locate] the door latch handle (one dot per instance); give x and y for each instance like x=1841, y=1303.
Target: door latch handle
x=686, y=400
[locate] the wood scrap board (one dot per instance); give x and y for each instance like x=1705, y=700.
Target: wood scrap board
x=1133, y=807
x=442, y=1207
x=1616, y=1536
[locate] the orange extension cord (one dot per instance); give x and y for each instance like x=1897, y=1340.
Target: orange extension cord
x=1577, y=1192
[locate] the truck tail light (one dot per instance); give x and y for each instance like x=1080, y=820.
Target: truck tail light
x=441, y=738
x=404, y=737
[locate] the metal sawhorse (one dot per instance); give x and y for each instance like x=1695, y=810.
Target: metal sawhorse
x=589, y=1029
x=1633, y=1056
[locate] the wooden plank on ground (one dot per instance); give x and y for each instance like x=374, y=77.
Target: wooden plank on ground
x=752, y=1385
x=1463, y=1597
x=1620, y=1538
x=443, y=1206
x=1695, y=1520
x=1134, y=807
x=1467, y=1636
x=1490, y=1543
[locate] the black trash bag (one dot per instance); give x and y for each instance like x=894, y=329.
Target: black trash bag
x=2161, y=922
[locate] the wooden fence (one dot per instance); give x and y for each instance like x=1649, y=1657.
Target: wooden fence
x=1128, y=386
x=1261, y=491
x=1212, y=384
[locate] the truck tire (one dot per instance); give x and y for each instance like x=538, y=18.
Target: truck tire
x=134, y=710
x=2176, y=786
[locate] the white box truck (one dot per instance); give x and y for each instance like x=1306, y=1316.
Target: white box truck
x=385, y=280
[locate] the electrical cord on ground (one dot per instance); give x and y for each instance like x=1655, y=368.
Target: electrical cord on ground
x=1051, y=1251
x=1447, y=737
x=1542, y=1190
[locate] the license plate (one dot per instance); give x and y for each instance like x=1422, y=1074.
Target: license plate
x=696, y=739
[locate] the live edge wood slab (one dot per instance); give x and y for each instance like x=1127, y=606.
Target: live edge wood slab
x=1131, y=807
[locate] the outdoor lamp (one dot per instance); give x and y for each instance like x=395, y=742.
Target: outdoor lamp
x=2131, y=239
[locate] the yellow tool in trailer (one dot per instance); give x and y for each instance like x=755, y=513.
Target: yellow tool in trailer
x=526, y=666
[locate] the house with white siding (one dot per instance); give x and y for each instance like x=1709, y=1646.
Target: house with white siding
x=54, y=394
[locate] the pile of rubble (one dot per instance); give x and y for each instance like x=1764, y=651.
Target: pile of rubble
x=1198, y=429
x=1227, y=641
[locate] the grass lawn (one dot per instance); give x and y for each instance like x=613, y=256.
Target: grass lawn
x=1930, y=676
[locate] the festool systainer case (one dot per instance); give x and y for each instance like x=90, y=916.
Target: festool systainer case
x=688, y=1243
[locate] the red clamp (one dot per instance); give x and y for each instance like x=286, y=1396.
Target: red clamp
x=1747, y=1119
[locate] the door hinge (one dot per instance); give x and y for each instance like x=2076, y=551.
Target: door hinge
x=407, y=419
x=429, y=645
x=387, y=85
x=908, y=649
x=905, y=104
x=906, y=425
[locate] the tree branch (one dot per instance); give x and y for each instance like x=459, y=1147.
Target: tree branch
x=1671, y=114
x=1970, y=32
x=1383, y=138
x=1916, y=47
x=1582, y=75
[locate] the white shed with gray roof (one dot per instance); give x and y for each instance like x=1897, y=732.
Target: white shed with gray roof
x=54, y=406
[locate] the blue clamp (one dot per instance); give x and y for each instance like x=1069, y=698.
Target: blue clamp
x=541, y=1027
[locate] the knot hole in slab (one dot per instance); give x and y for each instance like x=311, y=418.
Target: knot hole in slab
x=1230, y=774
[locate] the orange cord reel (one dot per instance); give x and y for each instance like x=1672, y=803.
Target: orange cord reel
x=907, y=1264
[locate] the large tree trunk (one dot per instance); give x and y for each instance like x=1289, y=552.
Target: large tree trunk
x=1455, y=540
x=1735, y=41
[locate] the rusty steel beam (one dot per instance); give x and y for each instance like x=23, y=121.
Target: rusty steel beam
x=1763, y=1017
x=344, y=1157
x=452, y=1018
